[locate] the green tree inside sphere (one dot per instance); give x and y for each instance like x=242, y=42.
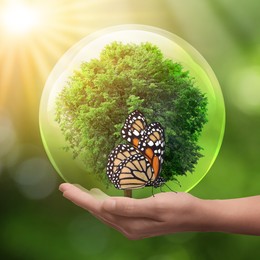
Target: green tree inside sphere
x=91, y=109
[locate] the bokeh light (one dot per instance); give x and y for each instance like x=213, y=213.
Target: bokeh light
x=35, y=178
x=73, y=170
x=31, y=171
x=244, y=91
x=7, y=134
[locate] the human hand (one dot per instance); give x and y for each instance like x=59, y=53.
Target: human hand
x=165, y=213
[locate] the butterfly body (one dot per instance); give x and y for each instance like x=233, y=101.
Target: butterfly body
x=137, y=164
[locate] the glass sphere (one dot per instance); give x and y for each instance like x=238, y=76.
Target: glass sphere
x=73, y=170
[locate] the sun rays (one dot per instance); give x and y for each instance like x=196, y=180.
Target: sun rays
x=33, y=35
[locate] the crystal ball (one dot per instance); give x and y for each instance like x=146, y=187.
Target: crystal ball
x=73, y=169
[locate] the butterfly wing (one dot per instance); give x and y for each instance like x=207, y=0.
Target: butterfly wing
x=133, y=173
x=133, y=167
x=133, y=128
x=117, y=155
x=152, y=145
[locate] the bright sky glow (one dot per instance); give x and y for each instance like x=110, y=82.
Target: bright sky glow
x=20, y=19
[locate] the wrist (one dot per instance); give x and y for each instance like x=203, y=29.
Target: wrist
x=193, y=214
x=203, y=216
x=211, y=216
x=240, y=216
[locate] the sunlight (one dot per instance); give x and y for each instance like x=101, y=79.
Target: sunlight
x=20, y=19
x=33, y=35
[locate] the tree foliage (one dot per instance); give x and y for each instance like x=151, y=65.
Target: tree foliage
x=93, y=106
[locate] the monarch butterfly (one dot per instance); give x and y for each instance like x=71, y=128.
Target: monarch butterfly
x=137, y=164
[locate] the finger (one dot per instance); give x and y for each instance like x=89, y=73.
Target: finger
x=64, y=186
x=131, y=207
x=129, y=226
x=81, y=198
x=98, y=194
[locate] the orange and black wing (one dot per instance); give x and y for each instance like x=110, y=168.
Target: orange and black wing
x=152, y=146
x=117, y=155
x=134, y=127
x=133, y=173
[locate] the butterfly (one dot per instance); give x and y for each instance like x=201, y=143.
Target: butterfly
x=139, y=163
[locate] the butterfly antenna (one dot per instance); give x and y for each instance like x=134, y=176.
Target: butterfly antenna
x=169, y=188
x=176, y=181
x=152, y=192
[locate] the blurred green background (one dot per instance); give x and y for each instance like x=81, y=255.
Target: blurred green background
x=35, y=221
